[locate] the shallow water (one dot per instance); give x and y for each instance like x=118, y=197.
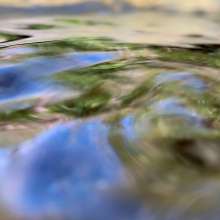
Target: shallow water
x=110, y=117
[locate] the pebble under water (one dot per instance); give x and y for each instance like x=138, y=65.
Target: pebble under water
x=110, y=117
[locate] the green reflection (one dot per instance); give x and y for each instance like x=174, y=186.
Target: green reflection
x=183, y=55
x=18, y=115
x=4, y=37
x=91, y=102
x=40, y=26
x=90, y=77
x=75, y=21
x=83, y=44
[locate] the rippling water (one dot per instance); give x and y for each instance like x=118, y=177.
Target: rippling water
x=110, y=117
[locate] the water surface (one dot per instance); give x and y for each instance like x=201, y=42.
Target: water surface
x=110, y=117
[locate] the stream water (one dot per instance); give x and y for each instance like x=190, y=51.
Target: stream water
x=110, y=117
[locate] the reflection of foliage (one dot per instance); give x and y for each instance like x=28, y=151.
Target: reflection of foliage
x=138, y=92
x=79, y=44
x=24, y=114
x=197, y=57
x=83, y=44
x=166, y=154
x=10, y=37
x=182, y=135
x=142, y=90
x=205, y=102
x=91, y=102
x=75, y=21
x=90, y=77
x=40, y=26
x=172, y=139
x=169, y=146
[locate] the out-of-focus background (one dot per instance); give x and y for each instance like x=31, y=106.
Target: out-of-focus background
x=186, y=5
